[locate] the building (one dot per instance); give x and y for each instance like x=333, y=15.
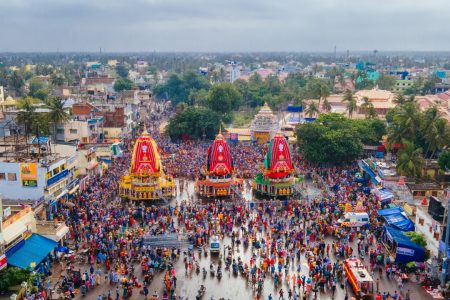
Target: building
x=86, y=131
x=403, y=84
x=382, y=100
x=430, y=221
x=264, y=126
x=26, y=241
x=235, y=73
x=37, y=173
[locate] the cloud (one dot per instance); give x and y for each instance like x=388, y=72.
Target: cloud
x=232, y=25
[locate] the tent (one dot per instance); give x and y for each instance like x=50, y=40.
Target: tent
x=404, y=249
x=396, y=217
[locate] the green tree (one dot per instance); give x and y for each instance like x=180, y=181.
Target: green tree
x=386, y=82
x=123, y=84
x=58, y=113
x=410, y=161
x=418, y=238
x=192, y=122
x=405, y=124
x=223, y=98
x=351, y=102
x=57, y=80
x=444, y=160
x=312, y=109
x=26, y=114
x=399, y=99
x=339, y=138
x=16, y=82
x=34, y=85
x=122, y=71
x=326, y=106
x=365, y=106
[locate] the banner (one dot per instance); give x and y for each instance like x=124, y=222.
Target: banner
x=28, y=171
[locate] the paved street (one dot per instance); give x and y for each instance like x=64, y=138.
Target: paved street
x=231, y=286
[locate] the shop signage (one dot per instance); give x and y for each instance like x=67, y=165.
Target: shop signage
x=28, y=171
x=57, y=177
x=405, y=251
x=29, y=183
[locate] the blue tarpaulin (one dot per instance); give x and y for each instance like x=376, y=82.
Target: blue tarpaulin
x=385, y=195
x=294, y=108
x=397, y=218
x=34, y=250
x=405, y=249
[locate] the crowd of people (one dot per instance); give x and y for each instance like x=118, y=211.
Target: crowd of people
x=281, y=249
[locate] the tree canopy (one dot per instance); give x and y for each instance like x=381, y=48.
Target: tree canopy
x=333, y=138
x=123, y=84
x=192, y=122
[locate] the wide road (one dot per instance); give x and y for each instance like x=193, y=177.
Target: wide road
x=230, y=286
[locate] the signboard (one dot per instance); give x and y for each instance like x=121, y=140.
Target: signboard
x=57, y=177
x=405, y=251
x=28, y=171
x=29, y=183
x=3, y=261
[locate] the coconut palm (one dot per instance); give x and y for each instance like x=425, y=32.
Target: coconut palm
x=312, y=109
x=26, y=114
x=365, y=105
x=410, y=160
x=58, y=113
x=399, y=99
x=371, y=112
x=405, y=125
x=437, y=136
x=324, y=92
x=351, y=107
x=326, y=106
x=351, y=102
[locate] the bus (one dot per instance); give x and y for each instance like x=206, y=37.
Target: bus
x=359, y=278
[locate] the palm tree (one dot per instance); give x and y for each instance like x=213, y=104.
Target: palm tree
x=437, y=136
x=351, y=107
x=326, y=106
x=365, y=106
x=26, y=114
x=406, y=123
x=372, y=112
x=410, y=160
x=324, y=92
x=57, y=114
x=351, y=102
x=312, y=109
x=399, y=99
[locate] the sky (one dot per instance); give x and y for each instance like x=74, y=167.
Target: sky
x=224, y=26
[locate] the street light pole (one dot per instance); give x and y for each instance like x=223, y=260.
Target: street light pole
x=445, y=263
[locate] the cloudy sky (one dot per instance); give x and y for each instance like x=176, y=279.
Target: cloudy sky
x=225, y=25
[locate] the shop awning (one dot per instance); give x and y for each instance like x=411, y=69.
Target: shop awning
x=397, y=218
x=31, y=254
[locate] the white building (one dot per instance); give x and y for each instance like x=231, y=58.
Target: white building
x=430, y=220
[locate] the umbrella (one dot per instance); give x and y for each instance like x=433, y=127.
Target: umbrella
x=62, y=249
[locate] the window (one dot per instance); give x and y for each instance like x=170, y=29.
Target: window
x=2, y=176
x=60, y=131
x=12, y=177
x=365, y=219
x=73, y=131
